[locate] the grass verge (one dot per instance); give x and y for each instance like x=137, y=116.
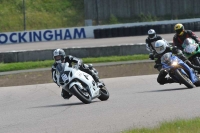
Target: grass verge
x=178, y=126
x=48, y=63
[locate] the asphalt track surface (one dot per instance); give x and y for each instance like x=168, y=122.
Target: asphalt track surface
x=136, y=101
x=80, y=43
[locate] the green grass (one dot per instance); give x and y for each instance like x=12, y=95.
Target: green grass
x=50, y=14
x=48, y=63
x=178, y=126
x=40, y=14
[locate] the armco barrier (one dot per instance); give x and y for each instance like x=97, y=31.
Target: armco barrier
x=41, y=55
x=196, y=26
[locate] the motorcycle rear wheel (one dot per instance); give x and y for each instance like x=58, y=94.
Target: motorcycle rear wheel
x=83, y=96
x=184, y=79
x=104, y=94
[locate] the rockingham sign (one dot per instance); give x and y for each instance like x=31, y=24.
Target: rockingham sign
x=43, y=35
x=73, y=33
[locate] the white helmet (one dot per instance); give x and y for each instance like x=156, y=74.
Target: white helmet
x=160, y=46
x=59, y=55
x=151, y=34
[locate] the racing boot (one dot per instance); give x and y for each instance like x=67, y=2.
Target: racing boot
x=170, y=80
x=166, y=80
x=65, y=94
x=197, y=83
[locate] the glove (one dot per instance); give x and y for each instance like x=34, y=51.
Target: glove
x=156, y=66
x=79, y=63
x=151, y=56
x=175, y=49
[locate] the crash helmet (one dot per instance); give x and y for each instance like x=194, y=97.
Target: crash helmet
x=59, y=55
x=179, y=29
x=152, y=34
x=160, y=46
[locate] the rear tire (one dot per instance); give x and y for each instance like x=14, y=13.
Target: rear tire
x=84, y=96
x=184, y=79
x=104, y=94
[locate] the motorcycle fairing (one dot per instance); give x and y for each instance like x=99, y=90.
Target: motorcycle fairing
x=166, y=64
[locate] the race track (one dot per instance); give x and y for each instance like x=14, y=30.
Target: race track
x=134, y=102
x=80, y=43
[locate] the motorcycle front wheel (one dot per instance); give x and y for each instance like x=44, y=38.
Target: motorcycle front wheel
x=184, y=79
x=82, y=95
x=104, y=94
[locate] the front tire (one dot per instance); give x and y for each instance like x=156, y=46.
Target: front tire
x=184, y=79
x=104, y=94
x=82, y=95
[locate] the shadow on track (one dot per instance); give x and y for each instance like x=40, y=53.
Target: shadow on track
x=177, y=89
x=61, y=105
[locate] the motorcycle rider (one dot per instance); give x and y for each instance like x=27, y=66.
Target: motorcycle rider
x=60, y=57
x=150, y=42
x=182, y=34
x=161, y=48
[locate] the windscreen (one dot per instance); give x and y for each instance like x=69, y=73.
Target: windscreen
x=189, y=45
x=166, y=58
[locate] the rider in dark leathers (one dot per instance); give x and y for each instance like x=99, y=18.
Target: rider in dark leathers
x=162, y=48
x=150, y=42
x=60, y=57
x=181, y=35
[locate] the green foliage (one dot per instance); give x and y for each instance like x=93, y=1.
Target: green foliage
x=113, y=19
x=49, y=14
x=40, y=14
x=48, y=63
x=142, y=17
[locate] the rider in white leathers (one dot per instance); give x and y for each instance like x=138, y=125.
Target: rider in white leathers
x=60, y=57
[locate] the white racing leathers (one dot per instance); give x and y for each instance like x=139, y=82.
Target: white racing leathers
x=79, y=83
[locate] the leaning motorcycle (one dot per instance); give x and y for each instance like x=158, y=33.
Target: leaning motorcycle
x=192, y=51
x=179, y=71
x=80, y=84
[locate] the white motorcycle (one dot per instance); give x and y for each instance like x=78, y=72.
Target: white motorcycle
x=80, y=84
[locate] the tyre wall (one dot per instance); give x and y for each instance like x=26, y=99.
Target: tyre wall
x=142, y=30
x=41, y=55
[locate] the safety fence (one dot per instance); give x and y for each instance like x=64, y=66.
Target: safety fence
x=150, y=9
x=142, y=30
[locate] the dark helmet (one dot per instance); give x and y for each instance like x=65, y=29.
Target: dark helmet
x=179, y=29
x=152, y=34
x=59, y=55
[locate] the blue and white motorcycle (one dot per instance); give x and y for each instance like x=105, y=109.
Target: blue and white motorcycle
x=80, y=84
x=179, y=71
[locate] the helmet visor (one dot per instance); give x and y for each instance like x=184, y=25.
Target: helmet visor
x=57, y=58
x=159, y=49
x=179, y=31
x=151, y=36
